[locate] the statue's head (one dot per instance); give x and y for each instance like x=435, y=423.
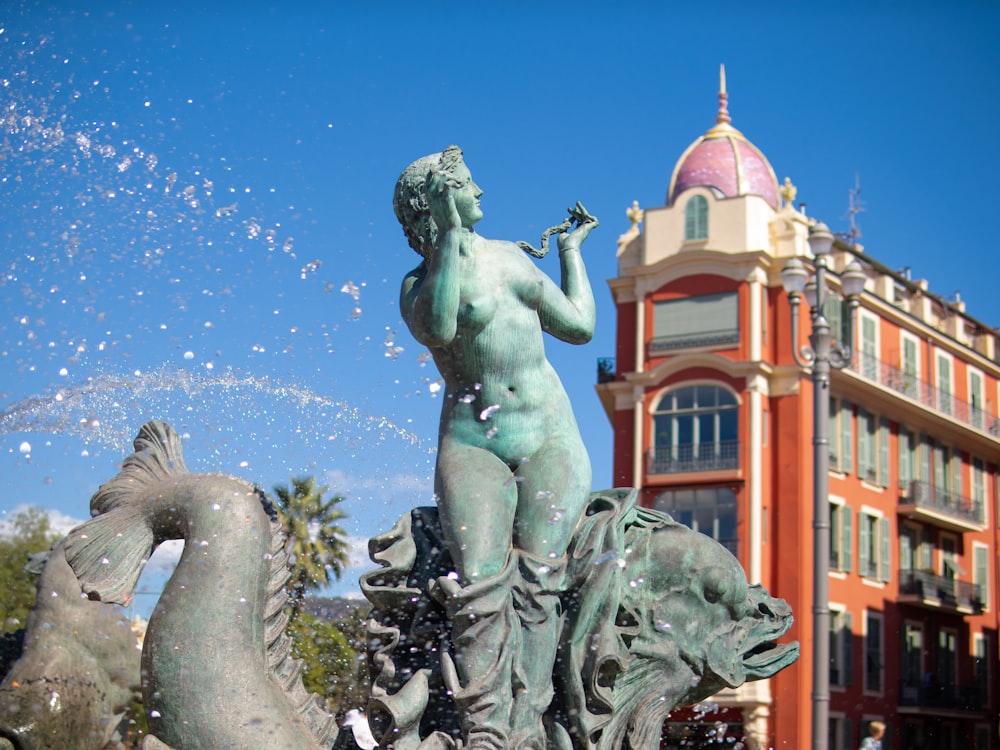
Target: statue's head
x=410, y=198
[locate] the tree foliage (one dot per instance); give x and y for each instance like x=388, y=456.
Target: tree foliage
x=30, y=533
x=317, y=546
x=331, y=667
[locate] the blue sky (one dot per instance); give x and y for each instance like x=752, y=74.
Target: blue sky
x=196, y=220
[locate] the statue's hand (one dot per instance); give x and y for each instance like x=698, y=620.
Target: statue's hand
x=584, y=223
x=441, y=201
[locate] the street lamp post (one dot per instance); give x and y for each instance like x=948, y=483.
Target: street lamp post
x=822, y=353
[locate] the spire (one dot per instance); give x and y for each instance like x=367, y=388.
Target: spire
x=722, y=118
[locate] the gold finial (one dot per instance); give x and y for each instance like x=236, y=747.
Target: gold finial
x=788, y=191
x=722, y=118
x=634, y=214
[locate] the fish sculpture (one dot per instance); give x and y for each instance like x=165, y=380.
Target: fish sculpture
x=654, y=616
x=78, y=670
x=216, y=667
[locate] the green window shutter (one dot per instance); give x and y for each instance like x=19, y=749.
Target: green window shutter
x=903, y=445
x=926, y=550
x=848, y=646
x=905, y=552
x=846, y=438
x=883, y=452
x=865, y=468
x=835, y=450
x=696, y=218
x=831, y=311
x=925, y=459
x=941, y=480
x=956, y=470
x=885, y=551
x=864, y=543
x=981, y=573
x=846, y=553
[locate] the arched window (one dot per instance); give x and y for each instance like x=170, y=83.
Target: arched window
x=696, y=219
x=695, y=429
x=710, y=510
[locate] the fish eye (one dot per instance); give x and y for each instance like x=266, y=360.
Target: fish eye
x=715, y=585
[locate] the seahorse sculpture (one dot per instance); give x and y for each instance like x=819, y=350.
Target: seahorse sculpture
x=216, y=667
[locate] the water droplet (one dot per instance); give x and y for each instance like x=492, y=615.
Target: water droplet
x=488, y=412
x=154, y=714
x=492, y=433
x=25, y=447
x=216, y=506
x=188, y=355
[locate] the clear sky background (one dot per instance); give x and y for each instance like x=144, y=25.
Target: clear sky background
x=196, y=201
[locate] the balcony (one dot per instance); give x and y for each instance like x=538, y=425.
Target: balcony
x=938, y=592
x=923, y=501
x=907, y=384
x=942, y=697
x=682, y=459
x=605, y=370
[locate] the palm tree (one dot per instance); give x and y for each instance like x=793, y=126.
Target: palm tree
x=316, y=545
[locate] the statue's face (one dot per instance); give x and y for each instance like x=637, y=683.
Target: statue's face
x=466, y=196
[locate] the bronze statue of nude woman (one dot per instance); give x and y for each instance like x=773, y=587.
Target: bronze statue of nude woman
x=513, y=476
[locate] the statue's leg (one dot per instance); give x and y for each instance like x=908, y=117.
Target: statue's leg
x=537, y=605
x=485, y=638
x=476, y=502
x=553, y=489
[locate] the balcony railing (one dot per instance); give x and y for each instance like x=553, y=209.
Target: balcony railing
x=680, y=459
x=940, y=591
x=700, y=338
x=948, y=697
x=922, y=495
x=908, y=385
x=605, y=370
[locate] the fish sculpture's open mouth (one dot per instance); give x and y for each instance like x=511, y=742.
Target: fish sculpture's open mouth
x=768, y=658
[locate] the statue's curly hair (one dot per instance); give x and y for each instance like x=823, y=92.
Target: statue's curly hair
x=410, y=202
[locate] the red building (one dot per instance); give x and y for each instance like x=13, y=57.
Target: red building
x=712, y=420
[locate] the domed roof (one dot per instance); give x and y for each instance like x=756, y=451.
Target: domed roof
x=724, y=161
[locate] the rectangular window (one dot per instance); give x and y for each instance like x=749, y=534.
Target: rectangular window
x=840, y=537
x=840, y=734
x=873, y=652
x=837, y=314
x=711, y=511
x=981, y=668
x=981, y=573
x=947, y=658
x=947, y=473
x=944, y=383
x=912, y=662
x=873, y=546
x=707, y=320
x=841, y=648
x=873, y=448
